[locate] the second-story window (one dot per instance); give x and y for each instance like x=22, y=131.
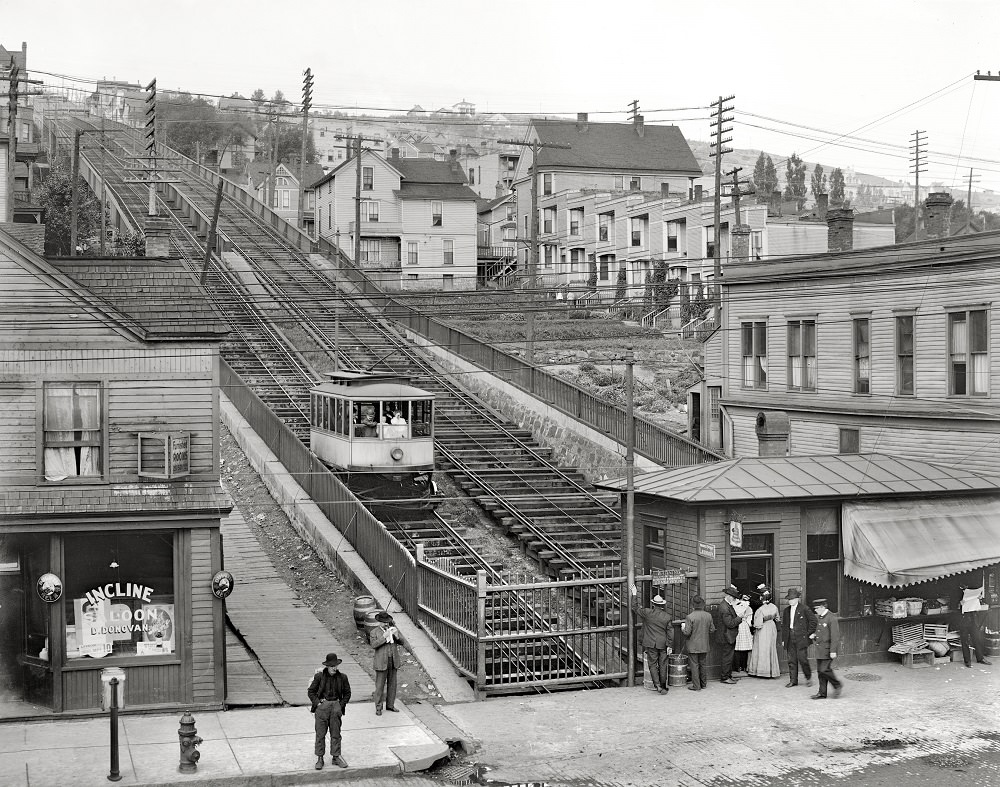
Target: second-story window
x=904, y=355
x=638, y=238
x=548, y=219
x=671, y=236
x=802, y=355
x=635, y=183
x=472, y=176
x=547, y=183
x=550, y=255
x=576, y=259
x=605, y=222
x=72, y=433
x=862, y=355
x=968, y=353
x=449, y=252
x=369, y=210
x=367, y=178
x=436, y=214
x=371, y=251
x=753, y=341
x=510, y=212
x=576, y=221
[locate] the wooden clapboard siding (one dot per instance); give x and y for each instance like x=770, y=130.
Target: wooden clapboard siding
x=145, y=685
x=17, y=433
x=205, y=684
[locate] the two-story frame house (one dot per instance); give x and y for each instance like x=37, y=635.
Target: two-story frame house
x=497, y=251
x=418, y=220
x=890, y=349
x=110, y=501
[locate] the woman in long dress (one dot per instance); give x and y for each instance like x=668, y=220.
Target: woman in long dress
x=764, y=656
x=744, y=636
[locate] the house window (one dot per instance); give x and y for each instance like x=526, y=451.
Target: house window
x=472, y=176
x=436, y=212
x=284, y=198
x=412, y=276
x=72, y=431
x=635, y=183
x=412, y=253
x=802, y=355
x=329, y=218
x=757, y=244
x=753, y=338
x=850, y=441
x=550, y=256
x=449, y=252
x=671, y=236
x=637, y=231
x=576, y=221
x=604, y=224
x=710, y=243
x=548, y=219
x=369, y=210
x=576, y=256
x=546, y=184
x=824, y=559
x=655, y=548
x=604, y=266
x=619, y=182
x=968, y=353
x=447, y=282
x=508, y=234
x=904, y=355
x=367, y=178
x=371, y=251
x=510, y=212
x=862, y=356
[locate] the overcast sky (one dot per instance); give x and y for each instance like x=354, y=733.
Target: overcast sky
x=801, y=71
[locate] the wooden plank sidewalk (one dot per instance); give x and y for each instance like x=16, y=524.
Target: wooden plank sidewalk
x=289, y=641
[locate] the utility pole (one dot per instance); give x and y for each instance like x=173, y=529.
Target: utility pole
x=968, y=202
x=735, y=193
x=104, y=220
x=74, y=194
x=529, y=332
x=919, y=147
x=12, y=96
x=151, y=143
x=307, y=86
x=212, y=234
x=718, y=150
x=988, y=78
x=633, y=109
x=269, y=191
x=628, y=527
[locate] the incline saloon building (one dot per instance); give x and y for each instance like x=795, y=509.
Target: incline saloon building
x=110, y=500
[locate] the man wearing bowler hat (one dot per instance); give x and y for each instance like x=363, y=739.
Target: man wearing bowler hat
x=329, y=693
x=798, y=624
x=727, y=632
x=655, y=625
x=826, y=637
x=384, y=638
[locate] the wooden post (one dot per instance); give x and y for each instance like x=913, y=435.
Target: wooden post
x=75, y=196
x=628, y=535
x=480, y=634
x=210, y=244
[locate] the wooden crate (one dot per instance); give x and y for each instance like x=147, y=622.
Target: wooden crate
x=918, y=659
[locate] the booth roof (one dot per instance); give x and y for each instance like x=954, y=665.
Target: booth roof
x=761, y=478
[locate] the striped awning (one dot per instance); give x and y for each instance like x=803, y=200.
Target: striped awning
x=894, y=543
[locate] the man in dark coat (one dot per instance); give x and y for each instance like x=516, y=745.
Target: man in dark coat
x=384, y=638
x=827, y=637
x=655, y=625
x=798, y=624
x=329, y=693
x=697, y=627
x=726, y=634
x=970, y=627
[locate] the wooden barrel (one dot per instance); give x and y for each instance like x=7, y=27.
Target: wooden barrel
x=992, y=644
x=362, y=606
x=677, y=669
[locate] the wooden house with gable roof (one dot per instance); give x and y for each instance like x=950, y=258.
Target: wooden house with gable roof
x=110, y=501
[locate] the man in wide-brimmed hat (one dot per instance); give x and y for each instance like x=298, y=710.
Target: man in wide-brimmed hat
x=798, y=624
x=329, y=693
x=384, y=638
x=725, y=634
x=655, y=625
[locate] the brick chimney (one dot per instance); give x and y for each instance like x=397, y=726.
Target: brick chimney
x=453, y=161
x=157, y=231
x=822, y=205
x=938, y=214
x=840, y=229
x=582, y=122
x=740, y=235
x=640, y=125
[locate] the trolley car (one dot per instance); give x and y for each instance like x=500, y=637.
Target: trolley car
x=377, y=432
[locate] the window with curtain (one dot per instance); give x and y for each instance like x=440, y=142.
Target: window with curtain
x=824, y=557
x=367, y=178
x=904, y=355
x=576, y=221
x=72, y=431
x=862, y=355
x=802, y=355
x=968, y=347
x=753, y=338
x=436, y=213
x=412, y=253
x=604, y=226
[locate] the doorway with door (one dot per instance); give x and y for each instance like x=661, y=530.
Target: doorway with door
x=753, y=563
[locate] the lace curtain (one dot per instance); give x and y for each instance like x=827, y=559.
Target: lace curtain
x=72, y=418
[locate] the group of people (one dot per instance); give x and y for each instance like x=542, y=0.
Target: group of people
x=330, y=690
x=747, y=639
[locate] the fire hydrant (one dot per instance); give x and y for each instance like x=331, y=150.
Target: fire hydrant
x=189, y=740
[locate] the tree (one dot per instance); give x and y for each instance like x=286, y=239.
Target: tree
x=56, y=196
x=592, y=277
x=621, y=286
x=837, y=187
x=818, y=181
x=795, y=180
x=765, y=178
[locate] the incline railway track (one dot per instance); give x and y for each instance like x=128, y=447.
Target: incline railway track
x=291, y=321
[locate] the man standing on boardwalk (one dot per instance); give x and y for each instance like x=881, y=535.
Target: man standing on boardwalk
x=329, y=693
x=727, y=633
x=798, y=624
x=384, y=638
x=655, y=624
x=827, y=636
x=697, y=627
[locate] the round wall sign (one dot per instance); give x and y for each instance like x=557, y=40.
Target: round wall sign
x=49, y=587
x=222, y=584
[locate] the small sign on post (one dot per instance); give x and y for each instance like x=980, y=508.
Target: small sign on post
x=736, y=534
x=706, y=551
x=667, y=576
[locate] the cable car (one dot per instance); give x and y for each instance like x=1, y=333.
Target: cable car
x=377, y=432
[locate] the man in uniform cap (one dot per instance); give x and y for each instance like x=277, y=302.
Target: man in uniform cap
x=329, y=693
x=798, y=624
x=726, y=634
x=655, y=625
x=826, y=637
